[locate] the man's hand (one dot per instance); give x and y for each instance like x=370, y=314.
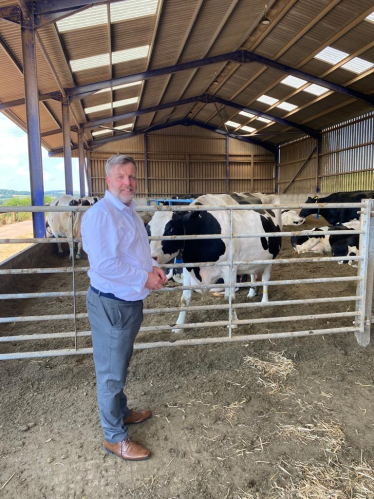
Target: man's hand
x=161, y=274
x=154, y=281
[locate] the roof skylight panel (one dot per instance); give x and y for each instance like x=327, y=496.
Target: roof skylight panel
x=108, y=105
x=125, y=85
x=287, y=106
x=98, y=61
x=95, y=61
x=357, y=65
x=132, y=9
x=265, y=120
x=89, y=17
x=130, y=54
x=122, y=127
x=267, y=100
x=330, y=55
x=101, y=132
x=248, y=115
x=370, y=17
x=232, y=123
x=316, y=89
x=293, y=82
x=248, y=129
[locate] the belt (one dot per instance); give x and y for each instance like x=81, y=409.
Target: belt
x=111, y=296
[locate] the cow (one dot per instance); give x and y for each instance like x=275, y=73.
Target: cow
x=66, y=224
x=217, y=250
x=337, y=244
x=336, y=216
x=291, y=217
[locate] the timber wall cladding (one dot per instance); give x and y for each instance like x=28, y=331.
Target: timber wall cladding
x=346, y=159
x=189, y=160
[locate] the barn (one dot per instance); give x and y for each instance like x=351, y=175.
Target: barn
x=209, y=97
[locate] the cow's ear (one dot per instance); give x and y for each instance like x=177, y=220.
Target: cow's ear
x=190, y=217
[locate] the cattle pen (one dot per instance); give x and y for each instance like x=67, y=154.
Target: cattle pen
x=361, y=318
x=252, y=397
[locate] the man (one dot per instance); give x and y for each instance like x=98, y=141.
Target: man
x=121, y=274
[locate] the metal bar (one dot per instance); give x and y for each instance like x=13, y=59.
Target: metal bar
x=227, y=163
x=45, y=336
x=301, y=168
x=82, y=187
x=89, y=173
x=67, y=147
x=252, y=57
x=366, y=273
x=20, y=102
x=54, y=6
x=146, y=164
x=309, y=131
x=179, y=343
x=139, y=112
x=288, y=206
x=33, y=124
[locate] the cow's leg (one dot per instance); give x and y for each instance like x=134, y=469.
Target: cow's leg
x=226, y=278
x=60, y=252
x=265, y=277
x=185, y=301
x=79, y=251
x=253, y=291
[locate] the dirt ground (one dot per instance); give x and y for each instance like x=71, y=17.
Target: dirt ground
x=291, y=418
x=17, y=230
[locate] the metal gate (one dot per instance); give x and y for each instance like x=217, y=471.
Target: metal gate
x=361, y=316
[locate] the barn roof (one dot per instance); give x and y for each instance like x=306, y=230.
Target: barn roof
x=267, y=73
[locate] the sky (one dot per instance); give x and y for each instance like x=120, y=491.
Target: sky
x=14, y=163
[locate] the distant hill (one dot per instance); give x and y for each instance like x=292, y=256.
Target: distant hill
x=9, y=193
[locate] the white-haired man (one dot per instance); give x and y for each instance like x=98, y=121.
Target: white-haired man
x=121, y=273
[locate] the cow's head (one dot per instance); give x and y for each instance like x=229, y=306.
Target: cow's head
x=165, y=223
x=305, y=212
x=291, y=217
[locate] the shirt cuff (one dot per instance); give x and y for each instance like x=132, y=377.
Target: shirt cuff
x=155, y=264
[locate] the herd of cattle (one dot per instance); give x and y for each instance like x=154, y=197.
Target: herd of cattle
x=253, y=255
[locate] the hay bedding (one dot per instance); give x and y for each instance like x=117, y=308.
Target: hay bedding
x=273, y=419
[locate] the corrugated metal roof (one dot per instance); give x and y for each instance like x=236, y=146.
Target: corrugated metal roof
x=186, y=31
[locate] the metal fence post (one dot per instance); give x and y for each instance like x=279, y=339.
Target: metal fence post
x=82, y=186
x=33, y=125
x=67, y=147
x=366, y=272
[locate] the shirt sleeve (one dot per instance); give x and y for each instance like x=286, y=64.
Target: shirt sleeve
x=101, y=241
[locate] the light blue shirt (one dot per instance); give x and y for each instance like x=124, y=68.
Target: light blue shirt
x=116, y=242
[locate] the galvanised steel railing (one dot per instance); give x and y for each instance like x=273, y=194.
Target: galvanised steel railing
x=362, y=298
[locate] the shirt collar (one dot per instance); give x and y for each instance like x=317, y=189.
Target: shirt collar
x=118, y=204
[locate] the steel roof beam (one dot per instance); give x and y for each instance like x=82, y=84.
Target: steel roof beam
x=82, y=91
x=309, y=131
x=242, y=56
x=186, y=122
x=252, y=57
x=266, y=145
x=20, y=102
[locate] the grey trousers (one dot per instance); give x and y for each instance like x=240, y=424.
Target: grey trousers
x=114, y=326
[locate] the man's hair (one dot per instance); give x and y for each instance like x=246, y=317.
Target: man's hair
x=118, y=160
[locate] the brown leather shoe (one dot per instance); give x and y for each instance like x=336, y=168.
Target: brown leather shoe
x=137, y=417
x=128, y=450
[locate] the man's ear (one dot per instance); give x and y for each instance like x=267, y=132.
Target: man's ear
x=107, y=181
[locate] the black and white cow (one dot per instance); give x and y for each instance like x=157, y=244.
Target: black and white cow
x=337, y=244
x=335, y=216
x=60, y=224
x=217, y=250
x=291, y=217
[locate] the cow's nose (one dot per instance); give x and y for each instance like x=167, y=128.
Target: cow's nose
x=155, y=258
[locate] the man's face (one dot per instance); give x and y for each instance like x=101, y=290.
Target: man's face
x=122, y=183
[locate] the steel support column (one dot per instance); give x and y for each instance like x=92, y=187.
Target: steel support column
x=227, y=164
x=318, y=170
x=67, y=147
x=146, y=165
x=82, y=186
x=89, y=173
x=276, y=170
x=33, y=125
